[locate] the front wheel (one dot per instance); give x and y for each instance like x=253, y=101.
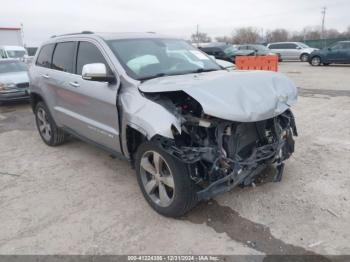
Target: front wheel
x=164, y=181
x=315, y=61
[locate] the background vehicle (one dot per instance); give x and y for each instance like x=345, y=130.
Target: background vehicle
x=14, y=80
x=224, y=51
x=258, y=49
x=191, y=129
x=292, y=50
x=339, y=53
x=17, y=52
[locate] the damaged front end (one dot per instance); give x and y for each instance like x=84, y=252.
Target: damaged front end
x=222, y=154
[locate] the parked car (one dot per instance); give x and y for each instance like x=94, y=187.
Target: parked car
x=338, y=53
x=259, y=50
x=14, y=80
x=190, y=129
x=225, y=64
x=292, y=50
x=9, y=51
x=224, y=51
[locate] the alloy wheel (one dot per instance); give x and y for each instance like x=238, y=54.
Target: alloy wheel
x=316, y=61
x=157, y=178
x=43, y=124
x=304, y=58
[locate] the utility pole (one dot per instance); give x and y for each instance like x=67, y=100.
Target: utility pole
x=22, y=34
x=323, y=12
x=197, y=35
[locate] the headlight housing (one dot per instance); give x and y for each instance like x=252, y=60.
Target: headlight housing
x=6, y=86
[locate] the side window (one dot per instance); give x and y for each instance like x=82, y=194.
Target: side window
x=45, y=56
x=275, y=46
x=88, y=53
x=346, y=45
x=63, y=57
x=291, y=46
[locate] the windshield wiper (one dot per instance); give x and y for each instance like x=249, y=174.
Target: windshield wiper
x=152, y=76
x=202, y=70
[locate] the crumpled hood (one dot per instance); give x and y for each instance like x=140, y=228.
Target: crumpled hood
x=242, y=96
x=15, y=77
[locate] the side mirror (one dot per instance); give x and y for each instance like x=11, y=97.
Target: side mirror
x=97, y=72
x=329, y=49
x=298, y=47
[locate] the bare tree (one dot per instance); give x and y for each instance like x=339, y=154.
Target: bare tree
x=346, y=33
x=277, y=35
x=224, y=39
x=200, y=38
x=245, y=35
x=332, y=33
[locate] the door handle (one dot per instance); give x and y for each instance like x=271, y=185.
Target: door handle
x=74, y=84
x=45, y=76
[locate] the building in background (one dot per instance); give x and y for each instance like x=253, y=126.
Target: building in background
x=11, y=36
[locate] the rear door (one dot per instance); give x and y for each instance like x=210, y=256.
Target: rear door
x=40, y=77
x=292, y=52
x=87, y=108
x=280, y=48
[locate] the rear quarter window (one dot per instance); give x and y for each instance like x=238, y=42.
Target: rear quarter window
x=45, y=56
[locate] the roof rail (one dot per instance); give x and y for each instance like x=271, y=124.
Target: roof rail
x=81, y=33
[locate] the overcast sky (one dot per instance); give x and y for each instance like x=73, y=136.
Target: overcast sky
x=43, y=18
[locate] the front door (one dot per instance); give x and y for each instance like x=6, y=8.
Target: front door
x=86, y=108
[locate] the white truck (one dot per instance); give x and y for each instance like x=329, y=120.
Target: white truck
x=11, y=43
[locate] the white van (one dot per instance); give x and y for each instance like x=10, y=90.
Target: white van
x=17, y=52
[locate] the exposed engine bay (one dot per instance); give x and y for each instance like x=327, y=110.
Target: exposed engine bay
x=222, y=154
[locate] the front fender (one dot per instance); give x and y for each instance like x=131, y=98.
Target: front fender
x=146, y=116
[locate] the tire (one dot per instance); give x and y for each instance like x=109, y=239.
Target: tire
x=315, y=61
x=172, y=179
x=48, y=130
x=304, y=57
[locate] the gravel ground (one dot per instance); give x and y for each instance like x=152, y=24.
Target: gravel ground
x=76, y=199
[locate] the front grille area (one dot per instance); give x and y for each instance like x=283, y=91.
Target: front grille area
x=23, y=85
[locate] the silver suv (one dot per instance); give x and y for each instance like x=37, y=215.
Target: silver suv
x=190, y=128
x=292, y=50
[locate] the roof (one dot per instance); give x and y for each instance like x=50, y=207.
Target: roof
x=214, y=44
x=13, y=47
x=110, y=36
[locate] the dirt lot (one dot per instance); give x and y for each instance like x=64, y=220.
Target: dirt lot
x=76, y=199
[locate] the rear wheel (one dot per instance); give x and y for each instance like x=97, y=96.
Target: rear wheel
x=49, y=132
x=164, y=181
x=304, y=57
x=315, y=61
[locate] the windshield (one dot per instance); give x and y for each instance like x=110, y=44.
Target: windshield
x=15, y=53
x=303, y=45
x=12, y=66
x=230, y=50
x=150, y=58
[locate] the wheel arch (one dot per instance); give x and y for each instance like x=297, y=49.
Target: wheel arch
x=35, y=98
x=304, y=53
x=134, y=138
